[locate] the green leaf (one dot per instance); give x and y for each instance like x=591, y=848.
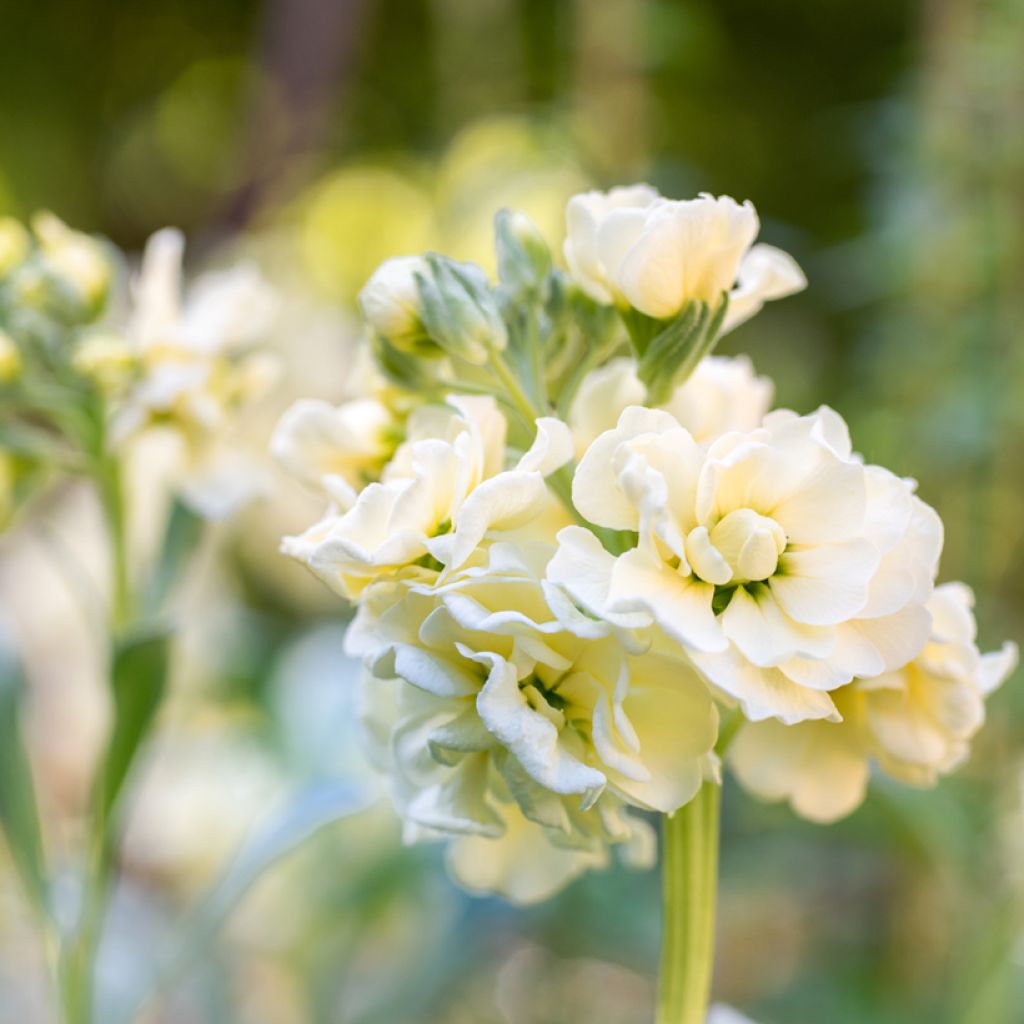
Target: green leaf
x=19, y=817
x=182, y=534
x=138, y=681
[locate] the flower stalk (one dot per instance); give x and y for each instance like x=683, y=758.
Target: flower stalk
x=690, y=885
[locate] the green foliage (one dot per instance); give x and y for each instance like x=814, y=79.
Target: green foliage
x=138, y=680
x=19, y=817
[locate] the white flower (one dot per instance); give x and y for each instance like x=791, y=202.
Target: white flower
x=462, y=798
x=784, y=565
x=445, y=489
x=721, y=394
x=518, y=718
x=335, y=450
x=73, y=256
x=591, y=242
x=916, y=722
x=193, y=369
x=765, y=273
x=633, y=248
x=390, y=300
x=578, y=705
x=522, y=865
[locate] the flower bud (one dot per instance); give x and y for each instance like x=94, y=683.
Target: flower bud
x=390, y=301
x=14, y=244
x=750, y=543
x=524, y=260
x=10, y=358
x=107, y=360
x=459, y=310
x=74, y=257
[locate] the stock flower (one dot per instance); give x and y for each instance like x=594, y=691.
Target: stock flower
x=916, y=722
x=390, y=299
x=590, y=244
x=437, y=499
x=514, y=705
x=573, y=705
x=783, y=564
x=335, y=450
x=73, y=257
x=196, y=368
x=633, y=248
x=764, y=274
x=493, y=846
x=721, y=394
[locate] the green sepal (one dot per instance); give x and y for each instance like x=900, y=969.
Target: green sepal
x=409, y=371
x=459, y=310
x=675, y=351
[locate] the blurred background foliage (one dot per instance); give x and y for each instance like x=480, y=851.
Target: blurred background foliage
x=882, y=144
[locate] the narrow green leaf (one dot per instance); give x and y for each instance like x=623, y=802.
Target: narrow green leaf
x=182, y=534
x=19, y=817
x=138, y=681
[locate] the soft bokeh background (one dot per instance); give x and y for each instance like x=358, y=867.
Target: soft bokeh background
x=882, y=143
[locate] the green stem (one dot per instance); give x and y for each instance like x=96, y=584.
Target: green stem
x=77, y=961
x=690, y=885
x=520, y=399
x=112, y=492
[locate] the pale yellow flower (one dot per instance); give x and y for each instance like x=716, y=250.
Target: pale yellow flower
x=782, y=563
x=390, y=299
x=335, y=450
x=633, y=248
x=520, y=723
x=916, y=722
x=196, y=367
x=74, y=257
x=444, y=490
x=721, y=394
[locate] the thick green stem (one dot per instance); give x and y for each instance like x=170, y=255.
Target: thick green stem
x=690, y=885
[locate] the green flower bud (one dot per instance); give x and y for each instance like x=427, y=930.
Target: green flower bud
x=524, y=259
x=459, y=309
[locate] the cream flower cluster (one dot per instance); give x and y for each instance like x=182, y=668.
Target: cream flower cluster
x=187, y=361
x=565, y=589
